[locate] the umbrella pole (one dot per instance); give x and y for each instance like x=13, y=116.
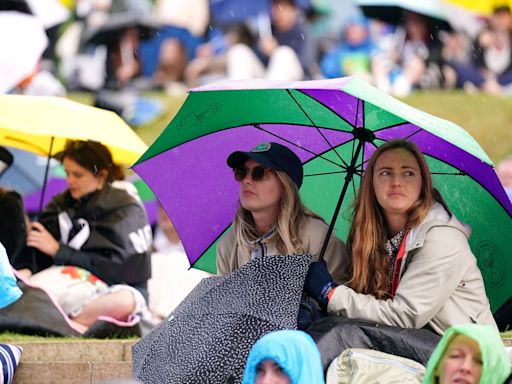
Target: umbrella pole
x=351, y=170
x=41, y=200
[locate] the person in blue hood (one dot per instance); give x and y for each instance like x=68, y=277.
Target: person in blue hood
x=284, y=357
x=353, y=54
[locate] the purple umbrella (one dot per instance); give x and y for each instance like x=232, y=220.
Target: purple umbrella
x=333, y=126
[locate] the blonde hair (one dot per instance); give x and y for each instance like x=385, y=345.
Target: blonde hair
x=292, y=213
x=368, y=232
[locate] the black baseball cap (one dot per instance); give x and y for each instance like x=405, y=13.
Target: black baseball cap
x=271, y=155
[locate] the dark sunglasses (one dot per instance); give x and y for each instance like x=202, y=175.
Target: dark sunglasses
x=258, y=173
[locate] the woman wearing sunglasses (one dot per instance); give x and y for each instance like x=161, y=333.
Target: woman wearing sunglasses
x=411, y=263
x=96, y=238
x=271, y=218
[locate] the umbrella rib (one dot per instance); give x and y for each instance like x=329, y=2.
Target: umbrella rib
x=460, y=173
x=258, y=126
x=318, y=130
x=393, y=126
x=412, y=134
x=325, y=173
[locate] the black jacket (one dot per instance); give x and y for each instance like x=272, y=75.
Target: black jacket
x=115, y=248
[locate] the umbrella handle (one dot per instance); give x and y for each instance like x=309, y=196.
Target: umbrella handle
x=351, y=170
x=45, y=180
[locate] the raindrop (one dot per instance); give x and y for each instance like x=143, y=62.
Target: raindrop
x=302, y=35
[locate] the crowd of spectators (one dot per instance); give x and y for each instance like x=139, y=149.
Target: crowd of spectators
x=106, y=46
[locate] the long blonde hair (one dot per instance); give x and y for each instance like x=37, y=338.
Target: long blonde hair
x=368, y=232
x=292, y=213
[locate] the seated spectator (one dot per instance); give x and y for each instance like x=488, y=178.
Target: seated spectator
x=284, y=50
x=172, y=279
x=352, y=55
x=96, y=237
x=504, y=171
x=491, y=67
x=284, y=357
x=468, y=354
x=172, y=61
x=411, y=263
x=40, y=83
x=412, y=59
x=210, y=59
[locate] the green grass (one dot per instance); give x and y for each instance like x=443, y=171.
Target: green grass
x=487, y=118
x=9, y=337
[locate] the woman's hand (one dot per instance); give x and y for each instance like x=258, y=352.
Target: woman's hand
x=319, y=282
x=39, y=238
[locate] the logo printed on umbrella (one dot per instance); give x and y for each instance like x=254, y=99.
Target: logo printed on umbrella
x=263, y=147
x=199, y=115
x=491, y=263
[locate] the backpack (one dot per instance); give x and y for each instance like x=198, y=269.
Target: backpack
x=358, y=365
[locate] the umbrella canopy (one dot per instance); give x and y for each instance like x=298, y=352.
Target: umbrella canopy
x=333, y=126
x=207, y=338
x=26, y=174
x=238, y=11
x=391, y=11
x=22, y=50
x=32, y=123
x=479, y=7
x=122, y=15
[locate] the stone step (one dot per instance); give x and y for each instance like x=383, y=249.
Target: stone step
x=84, y=361
x=100, y=351
x=71, y=373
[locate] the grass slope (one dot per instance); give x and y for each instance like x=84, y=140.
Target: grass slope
x=487, y=118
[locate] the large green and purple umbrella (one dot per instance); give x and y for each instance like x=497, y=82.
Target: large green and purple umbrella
x=334, y=126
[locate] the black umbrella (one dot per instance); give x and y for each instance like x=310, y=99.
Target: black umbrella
x=123, y=15
x=393, y=11
x=208, y=336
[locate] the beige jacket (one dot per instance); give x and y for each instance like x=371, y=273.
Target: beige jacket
x=230, y=257
x=440, y=283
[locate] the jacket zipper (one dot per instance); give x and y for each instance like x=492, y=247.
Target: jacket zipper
x=398, y=364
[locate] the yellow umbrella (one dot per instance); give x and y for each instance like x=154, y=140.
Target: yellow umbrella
x=42, y=124
x=480, y=7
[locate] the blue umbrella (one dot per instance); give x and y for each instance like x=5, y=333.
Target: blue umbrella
x=26, y=173
x=235, y=11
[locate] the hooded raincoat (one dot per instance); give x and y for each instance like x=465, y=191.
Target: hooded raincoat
x=495, y=364
x=439, y=283
x=294, y=351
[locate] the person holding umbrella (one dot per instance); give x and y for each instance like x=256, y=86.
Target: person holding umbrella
x=411, y=263
x=97, y=238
